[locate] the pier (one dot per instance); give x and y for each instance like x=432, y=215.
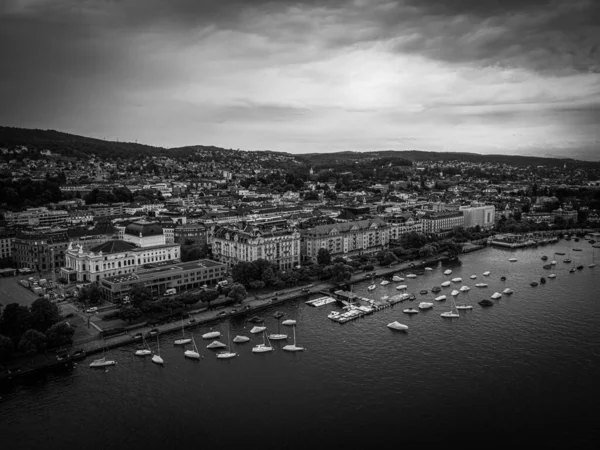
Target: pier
x=356, y=306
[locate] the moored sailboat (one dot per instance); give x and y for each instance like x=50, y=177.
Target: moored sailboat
x=192, y=354
x=293, y=347
x=183, y=339
x=156, y=358
x=227, y=354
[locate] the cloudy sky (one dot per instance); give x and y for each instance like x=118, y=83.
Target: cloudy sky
x=486, y=76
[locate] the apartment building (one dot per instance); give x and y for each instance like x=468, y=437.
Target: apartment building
x=346, y=239
x=232, y=245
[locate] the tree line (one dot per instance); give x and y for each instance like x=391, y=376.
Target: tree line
x=29, y=330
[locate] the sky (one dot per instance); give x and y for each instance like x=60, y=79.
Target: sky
x=484, y=76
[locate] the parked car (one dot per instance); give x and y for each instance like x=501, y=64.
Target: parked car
x=93, y=309
x=221, y=313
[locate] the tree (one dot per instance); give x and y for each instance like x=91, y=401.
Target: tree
x=90, y=295
x=32, y=342
x=257, y=284
x=339, y=272
x=208, y=296
x=244, y=272
x=388, y=258
x=323, y=256
x=6, y=347
x=237, y=293
x=130, y=313
x=269, y=277
x=60, y=334
x=16, y=319
x=44, y=314
x=139, y=294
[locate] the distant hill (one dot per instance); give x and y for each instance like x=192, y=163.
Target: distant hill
x=80, y=146
x=419, y=155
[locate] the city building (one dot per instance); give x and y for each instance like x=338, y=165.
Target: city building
x=37, y=217
x=41, y=250
x=143, y=244
x=6, y=245
x=346, y=239
x=195, y=232
x=249, y=243
x=402, y=224
x=442, y=222
x=483, y=216
x=160, y=277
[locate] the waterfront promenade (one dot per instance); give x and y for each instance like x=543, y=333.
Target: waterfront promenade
x=206, y=317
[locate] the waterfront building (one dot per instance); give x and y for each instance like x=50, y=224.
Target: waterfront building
x=232, y=245
x=402, y=224
x=442, y=221
x=162, y=276
x=346, y=239
x=143, y=243
x=484, y=216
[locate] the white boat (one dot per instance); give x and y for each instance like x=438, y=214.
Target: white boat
x=211, y=335
x=156, y=358
x=553, y=263
x=464, y=289
x=384, y=298
x=289, y=322
x=183, y=339
x=513, y=259
x=264, y=347
x=239, y=339
x=481, y=285
x=447, y=272
x=397, y=279
x=410, y=311
x=192, y=354
x=445, y=284
x=456, y=280
x=279, y=336
x=441, y=298
x=552, y=275
x=463, y=307
x=102, y=362
x=333, y=315
x=293, y=347
x=473, y=277
x=373, y=286
x=143, y=351
x=453, y=313
x=507, y=291
x=216, y=344
x=384, y=282
x=428, y=268
x=402, y=287
x=486, y=273
x=227, y=354
x=411, y=275
x=257, y=329
x=454, y=292
x=425, y=305
x=496, y=295
x=397, y=326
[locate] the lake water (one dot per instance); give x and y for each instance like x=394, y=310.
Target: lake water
x=525, y=370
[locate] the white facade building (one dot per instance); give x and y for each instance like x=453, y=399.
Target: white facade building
x=483, y=216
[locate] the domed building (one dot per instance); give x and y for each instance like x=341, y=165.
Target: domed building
x=143, y=243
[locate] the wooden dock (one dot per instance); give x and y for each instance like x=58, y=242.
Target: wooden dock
x=356, y=306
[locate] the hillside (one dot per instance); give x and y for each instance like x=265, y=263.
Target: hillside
x=419, y=155
x=80, y=146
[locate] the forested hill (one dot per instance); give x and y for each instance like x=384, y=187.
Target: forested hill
x=419, y=155
x=80, y=146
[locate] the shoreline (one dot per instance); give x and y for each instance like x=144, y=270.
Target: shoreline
x=48, y=361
